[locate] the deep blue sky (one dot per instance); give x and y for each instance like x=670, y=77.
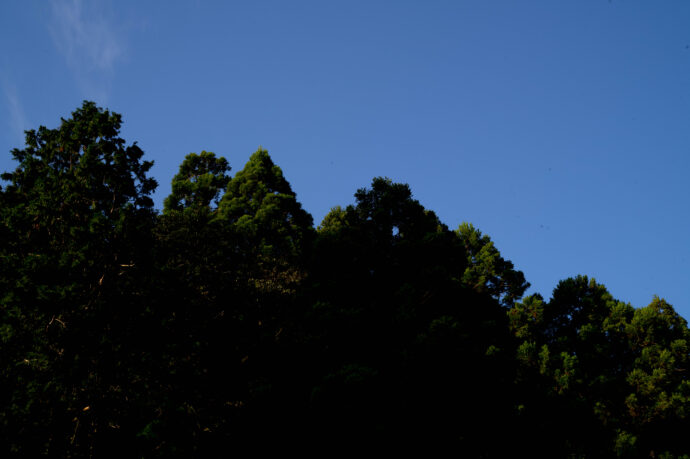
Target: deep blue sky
x=561, y=129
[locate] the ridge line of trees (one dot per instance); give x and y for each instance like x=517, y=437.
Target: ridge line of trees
x=229, y=321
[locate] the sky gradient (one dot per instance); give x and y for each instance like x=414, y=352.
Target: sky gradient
x=560, y=129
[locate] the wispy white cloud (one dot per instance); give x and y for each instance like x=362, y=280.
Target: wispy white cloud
x=17, y=118
x=87, y=37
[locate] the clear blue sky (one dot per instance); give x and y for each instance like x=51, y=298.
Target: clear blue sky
x=561, y=129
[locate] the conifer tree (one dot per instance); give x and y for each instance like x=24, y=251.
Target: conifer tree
x=273, y=229
x=601, y=377
x=261, y=205
x=487, y=271
x=405, y=349
x=191, y=242
x=199, y=183
x=77, y=212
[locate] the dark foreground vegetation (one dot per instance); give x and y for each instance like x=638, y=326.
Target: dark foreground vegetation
x=228, y=321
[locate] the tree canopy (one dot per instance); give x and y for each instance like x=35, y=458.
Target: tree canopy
x=198, y=184
x=226, y=321
x=78, y=217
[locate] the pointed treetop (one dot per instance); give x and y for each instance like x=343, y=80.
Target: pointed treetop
x=260, y=204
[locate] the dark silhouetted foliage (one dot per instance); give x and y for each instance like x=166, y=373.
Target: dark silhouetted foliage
x=228, y=323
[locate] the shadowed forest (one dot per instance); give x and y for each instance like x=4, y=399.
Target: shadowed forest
x=230, y=321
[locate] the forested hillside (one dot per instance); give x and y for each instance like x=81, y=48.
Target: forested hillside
x=229, y=320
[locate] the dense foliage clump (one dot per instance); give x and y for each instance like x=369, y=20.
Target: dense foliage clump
x=228, y=321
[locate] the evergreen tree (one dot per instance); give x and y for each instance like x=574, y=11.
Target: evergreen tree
x=199, y=183
x=193, y=247
x=202, y=336
x=404, y=349
x=78, y=215
x=487, y=270
x=261, y=205
x=656, y=387
x=601, y=377
x=227, y=321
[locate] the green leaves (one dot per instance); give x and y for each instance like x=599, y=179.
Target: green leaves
x=260, y=204
x=487, y=271
x=659, y=338
x=626, y=366
x=228, y=319
x=199, y=183
x=386, y=284
x=273, y=233
x=78, y=217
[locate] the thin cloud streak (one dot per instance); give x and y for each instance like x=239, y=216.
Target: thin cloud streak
x=88, y=40
x=17, y=118
x=84, y=36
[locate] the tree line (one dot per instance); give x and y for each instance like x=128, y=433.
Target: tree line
x=228, y=321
